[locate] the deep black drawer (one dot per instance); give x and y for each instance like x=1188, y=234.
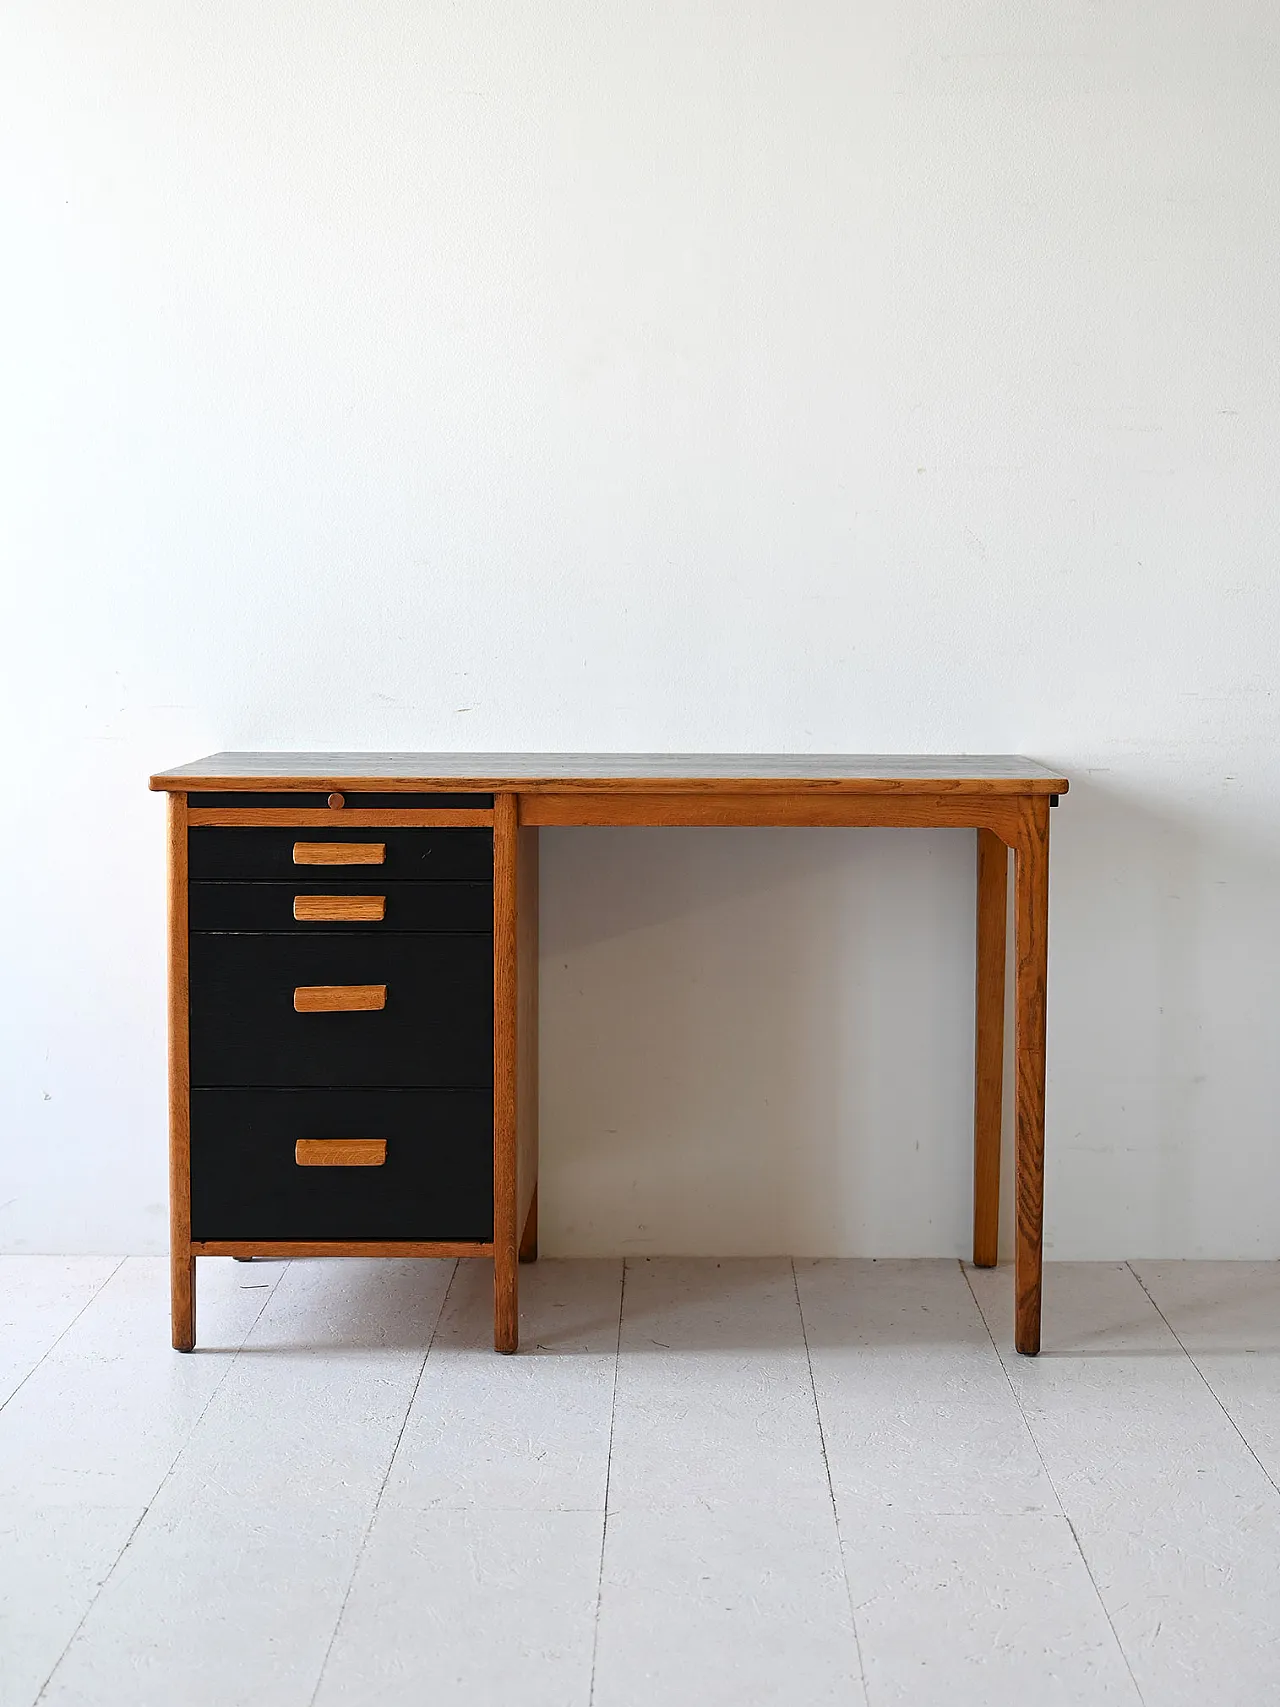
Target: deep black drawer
x=436, y=1027
x=436, y=1181
x=429, y=854
x=305, y=906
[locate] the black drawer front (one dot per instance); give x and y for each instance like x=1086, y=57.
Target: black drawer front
x=436, y=1182
x=367, y=802
x=407, y=906
x=436, y=1028
x=426, y=854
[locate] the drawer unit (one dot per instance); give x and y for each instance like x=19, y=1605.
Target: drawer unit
x=388, y=853
x=434, y=1180
x=432, y=1027
x=344, y=1077
x=341, y=903
x=340, y=1028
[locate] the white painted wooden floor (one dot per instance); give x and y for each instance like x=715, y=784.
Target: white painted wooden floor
x=737, y=1483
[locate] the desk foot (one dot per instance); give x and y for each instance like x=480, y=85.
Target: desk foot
x=182, y=1279
x=1031, y=940
x=506, y=1303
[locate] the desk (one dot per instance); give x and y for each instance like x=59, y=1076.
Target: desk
x=450, y=843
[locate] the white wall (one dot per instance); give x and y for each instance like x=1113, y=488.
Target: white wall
x=887, y=375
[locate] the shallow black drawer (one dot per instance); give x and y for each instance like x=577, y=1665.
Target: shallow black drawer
x=308, y=907
x=436, y=1181
x=436, y=1027
x=424, y=854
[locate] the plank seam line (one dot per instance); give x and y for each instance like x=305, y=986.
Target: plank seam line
x=49, y=1350
x=608, y=1472
x=1200, y=1372
x=382, y=1488
x=831, y=1492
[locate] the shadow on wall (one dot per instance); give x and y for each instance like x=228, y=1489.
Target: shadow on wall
x=756, y=1041
x=760, y=1041
x=1164, y=1079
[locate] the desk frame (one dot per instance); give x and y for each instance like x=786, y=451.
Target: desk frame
x=1009, y=813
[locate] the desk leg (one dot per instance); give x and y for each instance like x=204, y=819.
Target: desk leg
x=1031, y=939
x=988, y=1046
x=182, y=1265
x=506, y=1284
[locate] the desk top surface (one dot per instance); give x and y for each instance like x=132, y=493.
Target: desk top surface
x=736, y=773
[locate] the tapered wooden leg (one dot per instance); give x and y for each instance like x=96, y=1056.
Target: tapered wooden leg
x=506, y=1285
x=1031, y=940
x=182, y=1265
x=182, y=1292
x=988, y=1046
x=527, y=1046
x=529, y=1238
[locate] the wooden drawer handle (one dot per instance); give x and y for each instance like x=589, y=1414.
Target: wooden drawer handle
x=339, y=853
x=340, y=1152
x=339, y=998
x=334, y=907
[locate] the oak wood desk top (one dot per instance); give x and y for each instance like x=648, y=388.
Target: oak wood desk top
x=630, y=773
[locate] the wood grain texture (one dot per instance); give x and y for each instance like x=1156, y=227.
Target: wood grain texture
x=360, y=818
x=663, y=772
x=529, y=1238
x=796, y=806
x=280, y=1249
x=506, y=844
x=339, y=853
x=527, y=1029
x=339, y=998
x=1031, y=946
x=988, y=1046
x=182, y=1267
x=340, y=1152
x=334, y=909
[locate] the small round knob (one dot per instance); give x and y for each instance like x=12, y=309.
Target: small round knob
x=336, y=800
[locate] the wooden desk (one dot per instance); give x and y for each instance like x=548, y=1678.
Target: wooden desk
x=508, y=796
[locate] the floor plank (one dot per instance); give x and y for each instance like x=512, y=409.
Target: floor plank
x=481, y=1571
x=723, y=1605
x=457, y=1607
x=714, y=1400
x=40, y=1297
x=722, y=1577
x=87, y=1440
x=1227, y=1317
x=230, y=1590
x=524, y=1433
x=980, y=1611
x=1178, y=1523
x=644, y=1502
x=917, y=1413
